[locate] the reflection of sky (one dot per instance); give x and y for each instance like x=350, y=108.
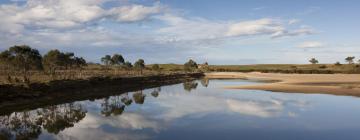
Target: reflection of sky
x=214, y=111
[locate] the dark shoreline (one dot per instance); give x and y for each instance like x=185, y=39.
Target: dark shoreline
x=19, y=98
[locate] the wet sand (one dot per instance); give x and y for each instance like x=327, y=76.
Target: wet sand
x=337, y=84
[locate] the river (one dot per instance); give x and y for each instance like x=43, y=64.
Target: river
x=199, y=109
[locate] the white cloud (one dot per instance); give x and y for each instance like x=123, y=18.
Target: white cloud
x=311, y=44
x=255, y=27
x=199, y=29
x=133, y=13
x=296, y=32
x=253, y=108
x=293, y=21
x=60, y=14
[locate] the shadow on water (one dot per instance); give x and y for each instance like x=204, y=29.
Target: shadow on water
x=53, y=119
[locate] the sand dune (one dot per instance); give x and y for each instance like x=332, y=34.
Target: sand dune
x=338, y=84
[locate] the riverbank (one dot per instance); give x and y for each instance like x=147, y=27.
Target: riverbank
x=63, y=91
x=337, y=84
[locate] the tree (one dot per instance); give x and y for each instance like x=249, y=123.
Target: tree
x=52, y=60
x=79, y=62
x=350, y=59
x=5, y=60
x=155, y=67
x=68, y=59
x=55, y=59
x=190, y=65
x=313, y=61
x=128, y=65
x=22, y=57
x=140, y=65
x=117, y=59
x=106, y=60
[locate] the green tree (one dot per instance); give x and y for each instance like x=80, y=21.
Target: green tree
x=23, y=58
x=79, y=62
x=313, y=61
x=128, y=65
x=140, y=65
x=350, y=59
x=68, y=59
x=55, y=59
x=190, y=65
x=117, y=59
x=106, y=60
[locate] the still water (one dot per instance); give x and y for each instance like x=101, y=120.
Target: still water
x=193, y=110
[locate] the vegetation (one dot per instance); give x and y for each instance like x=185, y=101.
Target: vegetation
x=313, y=61
x=350, y=59
x=140, y=65
x=23, y=65
x=337, y=64
x=191, y=65
x=56, y=60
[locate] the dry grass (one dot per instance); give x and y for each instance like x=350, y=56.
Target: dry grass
x=16, y=77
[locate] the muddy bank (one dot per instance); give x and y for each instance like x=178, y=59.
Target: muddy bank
x=16, y=98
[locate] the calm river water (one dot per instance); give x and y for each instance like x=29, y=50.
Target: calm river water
x=194, y=110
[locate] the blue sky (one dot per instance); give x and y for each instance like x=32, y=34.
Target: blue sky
x=173, y=31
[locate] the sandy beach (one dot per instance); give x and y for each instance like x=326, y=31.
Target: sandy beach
x=337, y=84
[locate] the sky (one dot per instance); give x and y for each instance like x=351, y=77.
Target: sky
x=173, y=31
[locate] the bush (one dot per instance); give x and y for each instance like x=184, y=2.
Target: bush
x=337, y=64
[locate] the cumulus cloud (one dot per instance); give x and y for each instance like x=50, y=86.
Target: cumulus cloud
x=55, y=14
x=133, y=13
x=199, y=29
x=311, y=44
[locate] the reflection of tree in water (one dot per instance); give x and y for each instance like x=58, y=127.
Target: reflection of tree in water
x=156, y=91
x=28, y=124
x=20, y=126
x=112, y=106
x=139, y=97
x=57, y=118
x=190, y=85
x=126, y=99
x=204, y=82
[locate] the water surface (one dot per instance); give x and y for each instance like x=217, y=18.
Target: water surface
x=193, y=110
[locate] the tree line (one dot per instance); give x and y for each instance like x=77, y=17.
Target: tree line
x=23, y=58
x=349, y=60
